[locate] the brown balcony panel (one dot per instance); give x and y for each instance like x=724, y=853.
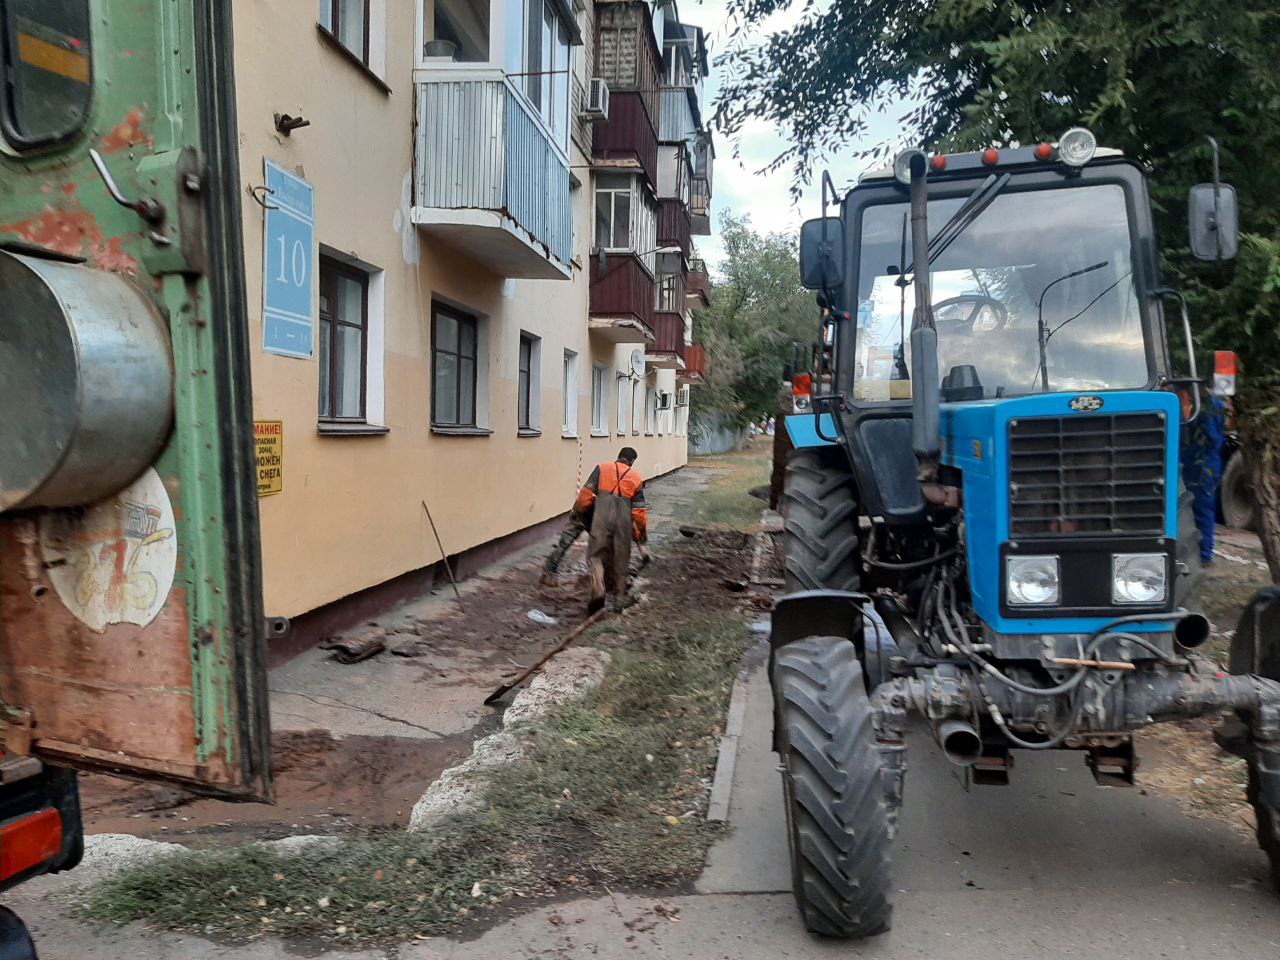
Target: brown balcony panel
x=668, y=328
x=673, y=225
x=624, y=289
x=698, y=284
x=695, y=364
x=628, y=134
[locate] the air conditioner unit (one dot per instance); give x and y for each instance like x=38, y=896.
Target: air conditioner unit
x=682, y=398
x=597, y=100
x=664, y=401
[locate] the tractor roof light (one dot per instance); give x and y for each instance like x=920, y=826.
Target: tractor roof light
x=1077, y=146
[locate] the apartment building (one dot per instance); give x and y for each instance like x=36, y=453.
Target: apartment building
x=475, y=221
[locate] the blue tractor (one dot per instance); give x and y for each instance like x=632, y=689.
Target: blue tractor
x=984, y=526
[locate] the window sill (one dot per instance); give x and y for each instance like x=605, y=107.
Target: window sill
x=600, y=433
x=350, y=428
x=528, y=432
x=445, y=431
x=338, y=46
x=565, y=435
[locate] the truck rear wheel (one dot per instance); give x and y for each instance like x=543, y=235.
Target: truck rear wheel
x=838, y=827
x=820, y=522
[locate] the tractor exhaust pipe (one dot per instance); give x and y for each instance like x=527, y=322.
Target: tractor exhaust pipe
x=925, y=415
x=960, y=742
x=1191, y=631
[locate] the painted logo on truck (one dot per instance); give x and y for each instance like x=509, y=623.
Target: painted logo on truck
x=114, y=562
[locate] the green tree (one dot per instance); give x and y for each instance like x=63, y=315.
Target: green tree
x=758, y=311
x=1152, y=79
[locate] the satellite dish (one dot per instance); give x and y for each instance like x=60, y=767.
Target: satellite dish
x=637, y=364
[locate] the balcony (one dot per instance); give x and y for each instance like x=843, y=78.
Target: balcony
x=700, y=207
x=628, y=134
x=695, y=365
x=673, y=225
x=488, y=179
x=622, y=299
x=677, y=116
x=668, y=350
x=698, y=285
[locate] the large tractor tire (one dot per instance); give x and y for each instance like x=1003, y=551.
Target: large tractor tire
x=1236, y=503
x=820, y=522
x=1255, y=649
x=838, y=826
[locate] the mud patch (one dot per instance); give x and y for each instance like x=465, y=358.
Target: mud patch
x=323, y=786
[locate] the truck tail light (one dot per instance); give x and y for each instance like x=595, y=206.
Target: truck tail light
x=1224, y=373
x=29, y=841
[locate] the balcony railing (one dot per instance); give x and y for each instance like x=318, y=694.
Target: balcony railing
x=488, y=177
x=628, y=134
x=673, y=225
x=698, y=284
x=623, y=291
x=668, y=328
x=695, y=363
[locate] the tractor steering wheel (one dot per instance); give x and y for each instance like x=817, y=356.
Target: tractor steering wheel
x=974, y=311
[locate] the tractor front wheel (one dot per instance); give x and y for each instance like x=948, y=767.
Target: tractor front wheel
x=838, y=825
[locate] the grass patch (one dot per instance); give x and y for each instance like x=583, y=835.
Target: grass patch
x=612, y=796
x=728, y=505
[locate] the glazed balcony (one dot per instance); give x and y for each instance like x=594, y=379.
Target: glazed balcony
x=621, y=300
x=700, y=206
x=673, y=225
x=489, y=179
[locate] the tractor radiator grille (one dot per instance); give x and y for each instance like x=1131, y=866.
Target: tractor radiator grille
x=1087, y=475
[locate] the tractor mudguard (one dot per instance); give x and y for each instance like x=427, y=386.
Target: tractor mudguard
x=815, y=613
x=803, y=430
x=818, y=613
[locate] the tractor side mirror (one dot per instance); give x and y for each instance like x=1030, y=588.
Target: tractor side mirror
x=822, y=253
x=1214, y=227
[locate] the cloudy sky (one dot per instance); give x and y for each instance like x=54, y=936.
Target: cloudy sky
x=738, y=183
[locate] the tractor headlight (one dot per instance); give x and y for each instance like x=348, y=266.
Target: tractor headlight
x=1076, y=147
x=1138, y=578
x=1032, y=581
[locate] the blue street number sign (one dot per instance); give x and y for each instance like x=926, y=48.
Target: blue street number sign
x=288, y=255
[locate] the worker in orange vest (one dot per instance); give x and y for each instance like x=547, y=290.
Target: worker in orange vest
x=614, y=494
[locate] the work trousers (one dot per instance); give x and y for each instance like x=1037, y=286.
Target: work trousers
x=609, y=550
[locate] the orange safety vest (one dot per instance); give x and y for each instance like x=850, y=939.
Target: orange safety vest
x=622, y=481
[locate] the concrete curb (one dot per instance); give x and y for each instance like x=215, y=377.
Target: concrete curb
x=726, y=761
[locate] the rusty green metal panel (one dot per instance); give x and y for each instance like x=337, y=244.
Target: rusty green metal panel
x=162, y=121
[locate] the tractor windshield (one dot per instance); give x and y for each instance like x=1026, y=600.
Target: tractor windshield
x=1036, y=295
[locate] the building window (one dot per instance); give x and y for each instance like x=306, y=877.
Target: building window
x=344, y=324
x=624, y=404
x=348, y=21
x=454, y=337
x=599, y=399
x=613, y=211
x=529, y=364
x=650, y=410
x=669, y=293
x=569, y=425
x=465, y=24
x=547, y=66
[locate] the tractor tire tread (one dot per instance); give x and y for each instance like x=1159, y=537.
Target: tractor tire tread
x=820, y=523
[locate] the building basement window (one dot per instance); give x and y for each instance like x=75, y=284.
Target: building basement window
x=344, y=329
x=454, y=338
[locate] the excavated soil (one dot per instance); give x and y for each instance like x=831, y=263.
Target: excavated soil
x=322, y=786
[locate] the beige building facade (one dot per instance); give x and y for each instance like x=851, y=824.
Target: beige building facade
x=434, y=336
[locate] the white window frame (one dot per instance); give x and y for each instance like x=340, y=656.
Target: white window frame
x=617, y=194
x=599, y=400
x=534, y=425
x=624, y=404
x=642, y=213
x=650, y=411
x=375, y=399
x=569, y=385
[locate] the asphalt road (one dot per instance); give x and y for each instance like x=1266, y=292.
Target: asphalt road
x=1051, y=866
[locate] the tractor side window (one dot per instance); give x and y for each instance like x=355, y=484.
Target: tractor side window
x=46, y=70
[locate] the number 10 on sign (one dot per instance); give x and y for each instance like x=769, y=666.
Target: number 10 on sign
x=289, y=250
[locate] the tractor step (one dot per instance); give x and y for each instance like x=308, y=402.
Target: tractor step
x=992, y=768
x=1113, y=766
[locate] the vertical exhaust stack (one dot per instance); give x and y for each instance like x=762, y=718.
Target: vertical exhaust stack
x=925, y=415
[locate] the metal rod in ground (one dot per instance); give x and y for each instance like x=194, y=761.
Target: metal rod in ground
x=506, y=688
x=444, y=557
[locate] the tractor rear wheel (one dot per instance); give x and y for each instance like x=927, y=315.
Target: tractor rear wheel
x=820, y=522
x=1255, y=649
x=838, y=825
